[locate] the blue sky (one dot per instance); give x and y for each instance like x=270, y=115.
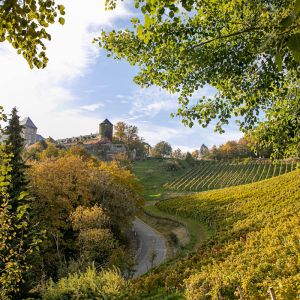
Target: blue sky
x=81, y=86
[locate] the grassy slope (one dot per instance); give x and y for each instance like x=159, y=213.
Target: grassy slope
x=153, y=176
x=209, y=175
x=198, y=231
x=256, y=244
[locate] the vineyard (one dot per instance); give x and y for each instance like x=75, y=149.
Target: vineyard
x=255, y=244
x=209, y=175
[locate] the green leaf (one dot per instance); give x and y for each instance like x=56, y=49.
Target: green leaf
x=296, y=55
x=139, y=31
x=278, y=60
x=297, y=7
x=294, y=42
x=148, y=21
x=61, y=21
x=288, y=21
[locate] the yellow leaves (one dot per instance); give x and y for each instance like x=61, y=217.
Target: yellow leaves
x=61, y=21
x=257, y=242
x=85, y=218
x=74, y=192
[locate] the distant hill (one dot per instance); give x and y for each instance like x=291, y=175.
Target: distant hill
x=255, y=244
x=209, y=175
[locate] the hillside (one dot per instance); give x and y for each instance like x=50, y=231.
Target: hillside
x=154, y=173
x=209, y=175
x=255, y=244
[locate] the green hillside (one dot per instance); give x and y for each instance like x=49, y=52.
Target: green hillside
x=209, y=175
x=154, y=173
x=255, y=245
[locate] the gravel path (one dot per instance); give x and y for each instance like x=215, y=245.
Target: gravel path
x=149, y=242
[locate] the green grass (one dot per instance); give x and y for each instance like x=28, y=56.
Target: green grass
x=153, y=175
x=255, y=243
x=198, y=231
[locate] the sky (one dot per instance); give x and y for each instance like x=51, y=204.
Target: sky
x=81, y=87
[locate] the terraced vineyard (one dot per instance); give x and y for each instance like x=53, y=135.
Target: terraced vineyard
x=209, y=175
x=254, y=244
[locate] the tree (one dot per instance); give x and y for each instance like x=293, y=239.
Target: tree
x=14, y=145
x=60, y=185
x=229, y=149
x=162, y=149
x=18, y=241
x=120, y=131
x=204, y=152
x=214, y=153
x=177, y=154
x=128, y=134
x=23, y=24
x=95, y=238
x=189, y=158
x=195, y=154
x=249, y=51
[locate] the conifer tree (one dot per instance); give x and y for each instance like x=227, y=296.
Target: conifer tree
x=14, y=146
x=18, y=240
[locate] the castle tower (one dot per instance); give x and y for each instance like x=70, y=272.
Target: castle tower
x=29, y=131
x=106, y=130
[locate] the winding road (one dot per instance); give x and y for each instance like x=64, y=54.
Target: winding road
x=149, y=242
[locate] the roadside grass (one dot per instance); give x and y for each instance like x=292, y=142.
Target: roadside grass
x=165, y=228
x=152, y=174
x=199, y=232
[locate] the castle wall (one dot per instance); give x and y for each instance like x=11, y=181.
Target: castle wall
x=29, y=134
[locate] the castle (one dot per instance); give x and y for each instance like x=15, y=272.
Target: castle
x=100, y=145
x=29, y=133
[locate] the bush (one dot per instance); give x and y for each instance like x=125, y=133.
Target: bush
x=108, y=284
x=190, y=159
x=171, y=165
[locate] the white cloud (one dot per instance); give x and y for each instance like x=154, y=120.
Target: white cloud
x=45, y=95
x=184, y=148
x=92, y=107
x=151, y=101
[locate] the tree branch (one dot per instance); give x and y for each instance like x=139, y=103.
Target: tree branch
x=227, y=36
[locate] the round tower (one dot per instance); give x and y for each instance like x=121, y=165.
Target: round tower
x=106, y=130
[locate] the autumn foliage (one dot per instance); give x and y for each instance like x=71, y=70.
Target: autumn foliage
x=85, y=206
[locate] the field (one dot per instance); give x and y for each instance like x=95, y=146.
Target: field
x=209, y=175
x=153, y=175
x=254, y=245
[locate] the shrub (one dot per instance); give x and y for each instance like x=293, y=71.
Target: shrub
x=171, y=166
x=107, y=284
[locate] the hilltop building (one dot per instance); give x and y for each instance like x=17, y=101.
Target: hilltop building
x=98, y=144
x=106, y=130
x=30, y=134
